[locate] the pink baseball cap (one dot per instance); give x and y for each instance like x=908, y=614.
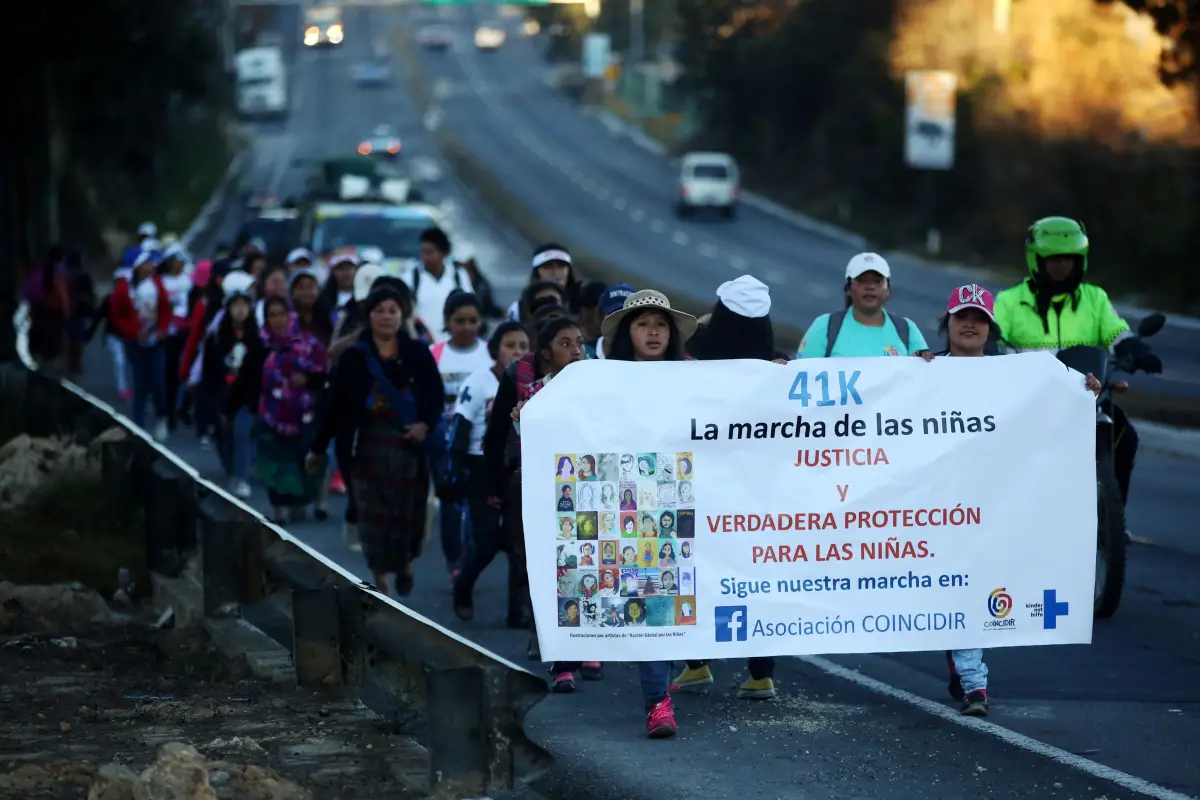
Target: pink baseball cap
x=972, y=296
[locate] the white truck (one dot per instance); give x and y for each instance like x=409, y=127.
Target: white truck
x=262, y=90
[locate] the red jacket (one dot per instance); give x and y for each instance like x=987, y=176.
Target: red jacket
x=196, y=335
x=123, y=316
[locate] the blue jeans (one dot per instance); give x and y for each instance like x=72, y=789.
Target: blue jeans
x=656, y=680
x=148, y=364
x=970, y=668
x=236, y=446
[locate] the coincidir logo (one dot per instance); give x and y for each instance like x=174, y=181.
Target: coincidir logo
x=1000, y=603
x=732, y=623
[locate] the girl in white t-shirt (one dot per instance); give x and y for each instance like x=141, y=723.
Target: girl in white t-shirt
x=471, y=411
x=460, y=355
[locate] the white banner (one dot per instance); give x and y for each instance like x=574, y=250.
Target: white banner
x=743, y=508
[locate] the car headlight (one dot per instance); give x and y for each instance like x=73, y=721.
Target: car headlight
x=312, y=36
x=334, y=34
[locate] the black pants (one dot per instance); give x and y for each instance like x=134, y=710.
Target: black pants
x=345, y=462
x=759, y=667
x=1124, y=451
x=494, y=530
x=175, y=345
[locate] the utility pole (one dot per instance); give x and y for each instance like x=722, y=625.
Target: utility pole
x=637, y=54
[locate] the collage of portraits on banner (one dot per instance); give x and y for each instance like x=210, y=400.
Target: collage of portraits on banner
x=625, y=525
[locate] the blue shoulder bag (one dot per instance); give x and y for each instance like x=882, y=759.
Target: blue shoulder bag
x=405, y=405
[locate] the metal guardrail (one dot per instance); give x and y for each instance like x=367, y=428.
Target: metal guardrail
x=462, y=704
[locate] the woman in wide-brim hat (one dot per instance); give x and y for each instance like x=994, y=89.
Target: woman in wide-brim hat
x=630, y=333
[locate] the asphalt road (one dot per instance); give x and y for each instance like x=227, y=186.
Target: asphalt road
x=1128, y=702
x=615, y=199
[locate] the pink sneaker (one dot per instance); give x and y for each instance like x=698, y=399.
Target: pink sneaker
x=591, y=670
x=660, y=722
x=564, y=683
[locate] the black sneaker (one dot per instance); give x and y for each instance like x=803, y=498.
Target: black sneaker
x=955, y=686
x=975, y=704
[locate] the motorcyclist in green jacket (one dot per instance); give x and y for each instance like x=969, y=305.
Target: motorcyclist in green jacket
x=1055, y=308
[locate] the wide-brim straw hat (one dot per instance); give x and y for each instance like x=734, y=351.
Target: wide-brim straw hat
x=648, y=300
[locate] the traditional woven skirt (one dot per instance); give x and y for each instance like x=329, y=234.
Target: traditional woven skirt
x=280, y=461
x=391, y=490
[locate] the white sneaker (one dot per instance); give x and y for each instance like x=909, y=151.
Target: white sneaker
x=160, y=430
x=242, y=490
x=350, y=533
x=206, y=443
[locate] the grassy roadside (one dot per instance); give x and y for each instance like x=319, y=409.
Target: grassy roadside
x=1184, y=412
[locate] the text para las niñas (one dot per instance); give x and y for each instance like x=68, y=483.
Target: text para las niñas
x=944, y=423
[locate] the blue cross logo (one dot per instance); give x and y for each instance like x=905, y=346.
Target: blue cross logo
x=1053, y=609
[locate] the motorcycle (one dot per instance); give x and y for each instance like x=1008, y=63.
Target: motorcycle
x=1111, y=542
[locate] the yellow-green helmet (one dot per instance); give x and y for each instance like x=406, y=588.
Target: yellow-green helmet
x=1055, y=236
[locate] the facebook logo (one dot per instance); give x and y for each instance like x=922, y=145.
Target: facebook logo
x=1053, y=609
x=732, y=623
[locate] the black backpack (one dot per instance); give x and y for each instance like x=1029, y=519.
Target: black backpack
x=416, y=278
x=835, y=327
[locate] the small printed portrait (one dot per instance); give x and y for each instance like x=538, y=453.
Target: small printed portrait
x=566, y=527
x=589, y=611
x=667, y=497
x=589, y=583
x=647, y=525
x=566, y=497
x=645, y=465
x=565, y=471
x=587, y=555
x=648, y=583
x=666, y=467
x=629, y=525
x=666, y=525
x=666, y=554
x=567, y=557
x=568, y=583
x=585, y=497
x=628, y=467
x=685, y=610
x=685, y=523
x=585, y=467
x=587, y=526
x=647, y=553
x=629, y=583
x=608, y=554
x=686, y=498
x=660, y=612
x=668, y=582
x=612, y=612
x=683, y=466
x=685, y=553
x=568, y=612
x=628, y=495
x=610, y=581
x=608, y=525
x=635, y=612
x=606, y=497
x=687, y=580
x=628, y=556
x=608, y=468
x=647, y=496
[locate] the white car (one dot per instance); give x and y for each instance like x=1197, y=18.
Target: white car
x=435, y=37
x=490, y=36
x=708, y=180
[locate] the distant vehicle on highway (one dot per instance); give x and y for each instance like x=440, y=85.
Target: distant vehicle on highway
x=323, y=26
x=490, y=37
x=360, y=179
x=372, y=74
x=393, y=230
x=278, y=227
x=531, y=27
x=262, y=90
x=708, y=180
x=383, y=142
x=435, y=37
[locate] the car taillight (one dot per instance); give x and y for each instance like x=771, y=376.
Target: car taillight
x=394, y=147
x=364, y=149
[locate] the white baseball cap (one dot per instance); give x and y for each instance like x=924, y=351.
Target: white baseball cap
x=868, y=262
x=148, y=229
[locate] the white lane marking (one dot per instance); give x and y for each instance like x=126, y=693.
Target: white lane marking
x=637, y=214
x=680, y=238
x=1018, y=740
x=738, y=263
x=619, y=204
x=707, y=250
x=658, y=226
x=819, y=290
x=603, y=193
x=774, y=276
x=589, y=185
